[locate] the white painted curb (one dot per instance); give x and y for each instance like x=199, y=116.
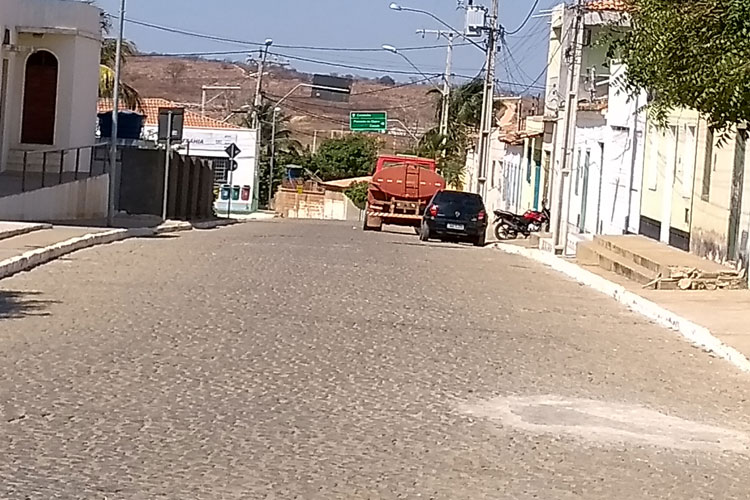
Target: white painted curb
x=698, y=335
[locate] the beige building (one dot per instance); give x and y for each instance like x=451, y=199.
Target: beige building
x=695, y=179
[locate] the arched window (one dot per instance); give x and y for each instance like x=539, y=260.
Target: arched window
x=40, y=99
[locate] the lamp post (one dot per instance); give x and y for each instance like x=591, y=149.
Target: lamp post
x=115, y=116
x=444, y=91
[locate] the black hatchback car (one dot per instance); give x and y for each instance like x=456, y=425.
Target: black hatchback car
x=455, y=215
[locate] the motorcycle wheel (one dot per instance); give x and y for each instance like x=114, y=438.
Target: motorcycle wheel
x=503, y=232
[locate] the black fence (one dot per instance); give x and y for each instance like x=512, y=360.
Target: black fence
x=52, y=167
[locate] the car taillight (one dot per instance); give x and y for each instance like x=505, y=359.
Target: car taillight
x=482, y=214
x=434, y=210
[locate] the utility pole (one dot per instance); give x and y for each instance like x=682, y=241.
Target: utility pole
x=259, y=84
x=111, y=205
x=447, y=76
x=488, y=100
x=214, y=87
x=562, y=203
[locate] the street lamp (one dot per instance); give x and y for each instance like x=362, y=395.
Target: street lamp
x=115, y=116
x=400, y=8
x=276, y=111
x=259, y=86
x=444, y=92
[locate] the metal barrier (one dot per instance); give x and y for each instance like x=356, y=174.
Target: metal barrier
x=57, y=174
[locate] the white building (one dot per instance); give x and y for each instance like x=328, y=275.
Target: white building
x=602, y=195
x=49, y=76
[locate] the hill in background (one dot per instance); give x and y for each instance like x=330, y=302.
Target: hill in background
x=311, y=119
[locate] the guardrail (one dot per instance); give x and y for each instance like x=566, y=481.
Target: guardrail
x=54, y=162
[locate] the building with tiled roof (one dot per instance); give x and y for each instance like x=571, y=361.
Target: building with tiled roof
x=150, y=108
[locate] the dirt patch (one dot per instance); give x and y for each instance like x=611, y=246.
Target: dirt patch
x=604, y=423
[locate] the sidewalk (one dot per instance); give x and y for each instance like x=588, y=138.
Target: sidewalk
x=725, y=313
x=717, y=321
x=24, y=246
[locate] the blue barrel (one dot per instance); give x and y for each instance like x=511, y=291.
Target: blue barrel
x=129, y=124
x=225, y=192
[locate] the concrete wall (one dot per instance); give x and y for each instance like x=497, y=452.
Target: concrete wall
x=712, y=192
x=84, y=199
x=328, y=205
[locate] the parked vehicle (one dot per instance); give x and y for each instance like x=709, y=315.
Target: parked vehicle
x=399, y=191
x=509, y=225
x=455, y=215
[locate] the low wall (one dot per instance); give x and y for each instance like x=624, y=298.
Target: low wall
x=328, y=205
x=84, y=199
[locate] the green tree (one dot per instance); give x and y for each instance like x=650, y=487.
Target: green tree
x=350, y=156
x=357, y=192
x=690, y=53
x=107, y=58
x=287, y=151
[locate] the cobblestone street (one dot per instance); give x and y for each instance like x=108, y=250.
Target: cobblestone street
x=315, y=361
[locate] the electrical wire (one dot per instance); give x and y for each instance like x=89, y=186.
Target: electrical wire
x=217, y=38
x=525, y=21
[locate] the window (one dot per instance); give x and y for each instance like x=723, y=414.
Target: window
x=492, y=179
x=653, y=158
x=708, y=165
x=221, y=171
x=688, y=161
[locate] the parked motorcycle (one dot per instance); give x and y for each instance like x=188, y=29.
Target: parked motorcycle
x=509, y=225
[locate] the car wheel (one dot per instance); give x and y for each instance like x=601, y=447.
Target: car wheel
x=424, y=232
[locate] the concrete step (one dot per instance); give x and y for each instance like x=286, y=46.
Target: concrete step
x=591, y=253
x=631, y=253
x=13, y=229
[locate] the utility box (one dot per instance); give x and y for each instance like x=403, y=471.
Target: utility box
x=476, y=21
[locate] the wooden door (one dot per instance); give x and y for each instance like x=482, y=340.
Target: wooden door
x=40, y=99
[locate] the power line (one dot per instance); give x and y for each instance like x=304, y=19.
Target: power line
x=528, y=17
x=217, y=38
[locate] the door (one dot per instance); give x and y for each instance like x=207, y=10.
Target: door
x=584, y=191
x=735, y=204
x=40, y=99
x=537, y=182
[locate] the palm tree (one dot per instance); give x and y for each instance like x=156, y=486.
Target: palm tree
x=464, y=117
x=129, y=95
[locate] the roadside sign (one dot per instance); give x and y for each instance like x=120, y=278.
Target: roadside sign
x=174, y=119
x=368, y=122
x=233, y=166
x=232, y=150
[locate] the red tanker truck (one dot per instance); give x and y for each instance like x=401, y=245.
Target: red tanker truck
x=399, y=191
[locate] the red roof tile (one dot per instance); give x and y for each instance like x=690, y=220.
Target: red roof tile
x=613, y=5
x=150, y=107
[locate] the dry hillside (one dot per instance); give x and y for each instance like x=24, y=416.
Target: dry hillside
x=180, y=80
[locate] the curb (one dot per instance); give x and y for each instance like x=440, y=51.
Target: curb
x=700, y=336
x=35, y=258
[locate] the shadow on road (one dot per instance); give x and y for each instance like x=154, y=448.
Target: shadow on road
x=18, y=304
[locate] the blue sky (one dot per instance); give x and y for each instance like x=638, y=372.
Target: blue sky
x=336, y=23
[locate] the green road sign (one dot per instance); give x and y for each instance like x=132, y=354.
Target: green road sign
x=368, y=122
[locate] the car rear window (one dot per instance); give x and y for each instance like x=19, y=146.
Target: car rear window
x=458, y=201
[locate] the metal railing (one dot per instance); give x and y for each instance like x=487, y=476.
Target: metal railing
x=56, y=165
